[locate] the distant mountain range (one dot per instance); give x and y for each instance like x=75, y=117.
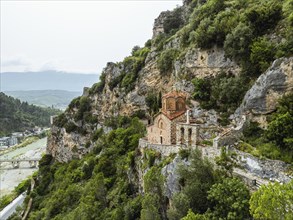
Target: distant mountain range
x=47, y=88
x=46, y=80
x=45, y=98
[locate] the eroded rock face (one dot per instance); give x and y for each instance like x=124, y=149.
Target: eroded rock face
x=170, y=172
x=262, y=98
x=159, y=23
x=273, y=170
x=65, y=146
x=114, y=100
x=203, y=63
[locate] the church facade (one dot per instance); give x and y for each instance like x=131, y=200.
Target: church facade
x=172, y=125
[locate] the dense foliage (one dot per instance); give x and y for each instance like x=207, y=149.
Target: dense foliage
x=20, y=116
x=252, y=33
x=223, y=93
x=202, y=190
x=276, y=142
x=243, y=28
x=95, y=187
x=102, y=184
x=273, y=201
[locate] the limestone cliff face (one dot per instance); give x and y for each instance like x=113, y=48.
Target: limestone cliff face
x=194, y=62
x=116, y=101
x=262, y=98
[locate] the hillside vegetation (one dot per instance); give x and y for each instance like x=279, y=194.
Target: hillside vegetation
x=106, y=184
x=98, y=185
x=19, y=116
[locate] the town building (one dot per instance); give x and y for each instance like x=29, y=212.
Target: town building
x=8, y=141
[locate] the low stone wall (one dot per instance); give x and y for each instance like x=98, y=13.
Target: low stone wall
x=165, y=150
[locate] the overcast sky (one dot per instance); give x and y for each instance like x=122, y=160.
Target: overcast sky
x=74, y=36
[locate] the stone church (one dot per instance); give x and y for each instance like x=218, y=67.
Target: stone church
x=172, y=125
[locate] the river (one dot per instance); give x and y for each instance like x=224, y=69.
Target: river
x=10, y=178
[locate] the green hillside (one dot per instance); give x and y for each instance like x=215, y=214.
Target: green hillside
x=117, y=181
x=19, y=116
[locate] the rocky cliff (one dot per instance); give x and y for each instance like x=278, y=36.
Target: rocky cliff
x=162, y=65
x=113, y=101
x=261, y=99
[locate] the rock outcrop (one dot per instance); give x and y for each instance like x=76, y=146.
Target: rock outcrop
x=262, y=98
x=114, y=100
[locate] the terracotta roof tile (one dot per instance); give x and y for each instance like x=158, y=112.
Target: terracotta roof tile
x=174, y=94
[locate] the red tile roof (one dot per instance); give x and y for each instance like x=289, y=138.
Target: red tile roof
x=174, y=94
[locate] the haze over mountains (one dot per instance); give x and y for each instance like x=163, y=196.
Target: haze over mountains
x=46, y=80
x=45, y=98
x=46, y=88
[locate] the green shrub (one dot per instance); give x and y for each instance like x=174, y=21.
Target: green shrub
x=173, y=21
x=280, y=131
x=23, y=186
x=281, y=126
x=269, y=150
x=159, y=42
x=128, y=82
x=151, y=156
x=264, y=16
x=237, y=42
x=262, y=54
x=252, y=131
x=74, y=103
x=114, y=82
x=202, y=90
x=154, y=102
x=166, y=60
x=141, y=114
x=184, y=153
x=60, y=120
x=148, y=43
x=98, y=87
x=84, y=106
x=97, y=134
x=6, y=199
x=207, y=142
x=222, y=93
x=132, y=65
x=70, y=127
x=245, y=147
x=204, y=35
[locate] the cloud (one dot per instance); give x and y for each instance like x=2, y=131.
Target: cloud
x=14, y=62
x=21, y=64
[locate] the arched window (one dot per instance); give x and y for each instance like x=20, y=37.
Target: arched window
x=189, y=135
x=161, y=124
x=180, y=104
x=182, y=135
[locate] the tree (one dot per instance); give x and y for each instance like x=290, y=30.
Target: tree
x=166, y=60
x=262, y=54
x=273, y=201
x=231, y=199
x=280, y=131
x=281, y=127
x=226, y=161
x=237, y=42
x=191, y=216
x=150, y=206
x=173, y=21
x=154, y=188
x=195, y=181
